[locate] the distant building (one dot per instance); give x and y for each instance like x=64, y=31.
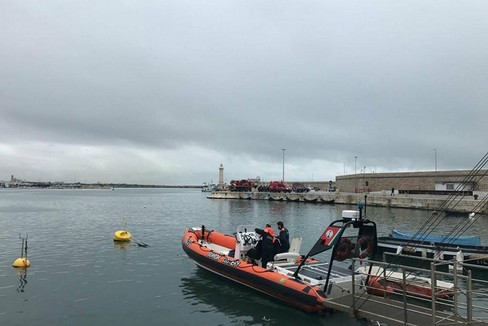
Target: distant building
x=432, y=181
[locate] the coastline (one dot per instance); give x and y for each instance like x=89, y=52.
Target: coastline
x=78, y=185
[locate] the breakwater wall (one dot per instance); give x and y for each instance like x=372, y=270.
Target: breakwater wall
x=381, y=199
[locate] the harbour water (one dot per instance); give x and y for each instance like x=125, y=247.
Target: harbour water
x=79, y=276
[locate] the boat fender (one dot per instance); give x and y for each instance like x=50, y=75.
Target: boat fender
x=460, y=256
x=365, y=246
x=287, y=255
x=344, y=249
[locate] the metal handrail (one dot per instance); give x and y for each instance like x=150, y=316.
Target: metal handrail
x=461, y=309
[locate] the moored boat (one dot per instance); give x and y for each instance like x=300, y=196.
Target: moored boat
x=466, y=240
x=300, y=281
x=471, y=256
x=209, y=187
x=383, y=280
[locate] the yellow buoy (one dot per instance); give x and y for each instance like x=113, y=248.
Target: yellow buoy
x=21, y=263
x=122, y=235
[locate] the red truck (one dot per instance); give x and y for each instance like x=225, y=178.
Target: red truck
x=241, y=185
x=279, y=186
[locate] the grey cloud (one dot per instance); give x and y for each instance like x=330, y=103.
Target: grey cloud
x=384, y=81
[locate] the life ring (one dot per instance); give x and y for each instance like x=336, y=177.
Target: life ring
x=344, y=249
x=365, y=246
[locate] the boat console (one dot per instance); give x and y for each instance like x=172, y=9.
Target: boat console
x=246, y=239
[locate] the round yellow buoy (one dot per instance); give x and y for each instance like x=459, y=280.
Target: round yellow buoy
x=21, y=263
x=122, y=235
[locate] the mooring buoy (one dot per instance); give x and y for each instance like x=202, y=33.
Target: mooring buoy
x=123, y=235
x=22, y=262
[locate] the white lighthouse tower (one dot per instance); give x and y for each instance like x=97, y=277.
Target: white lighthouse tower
x=220, y=186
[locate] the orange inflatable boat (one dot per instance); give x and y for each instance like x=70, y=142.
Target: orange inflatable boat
x=300, y=281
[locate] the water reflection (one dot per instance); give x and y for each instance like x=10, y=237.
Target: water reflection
x=121, y=245
x=22, y=272
x=209, y=293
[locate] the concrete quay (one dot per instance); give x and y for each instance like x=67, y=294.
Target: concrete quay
x=467, y=204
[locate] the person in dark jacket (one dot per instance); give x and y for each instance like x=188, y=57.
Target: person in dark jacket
x=284, y=237
x=267, y=244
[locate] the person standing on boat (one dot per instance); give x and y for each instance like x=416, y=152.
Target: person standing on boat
x=267, y=244
x=284, y=237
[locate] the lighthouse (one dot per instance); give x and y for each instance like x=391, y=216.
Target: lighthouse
x=220, y=186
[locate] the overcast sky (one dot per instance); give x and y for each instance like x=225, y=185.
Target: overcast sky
x=163, y=92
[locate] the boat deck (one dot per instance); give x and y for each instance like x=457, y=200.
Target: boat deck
x=316, y=273
x=319, y=271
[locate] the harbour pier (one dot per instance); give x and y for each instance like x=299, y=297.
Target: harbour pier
x=465, y=203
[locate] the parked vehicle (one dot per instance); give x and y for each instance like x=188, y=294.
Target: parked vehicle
x=279, y=186
x=298, y=187
x=241, y=185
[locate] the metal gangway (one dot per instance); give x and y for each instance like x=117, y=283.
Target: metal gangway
x=468, y=304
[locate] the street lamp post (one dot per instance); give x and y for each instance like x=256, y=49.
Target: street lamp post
x=355, y=160
x=283, y=149
x=435, y=158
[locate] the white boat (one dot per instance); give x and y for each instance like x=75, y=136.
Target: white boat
x=209, y=187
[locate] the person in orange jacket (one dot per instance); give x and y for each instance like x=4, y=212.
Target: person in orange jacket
x=267, y=244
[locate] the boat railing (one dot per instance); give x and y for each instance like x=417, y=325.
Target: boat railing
x=464, y=301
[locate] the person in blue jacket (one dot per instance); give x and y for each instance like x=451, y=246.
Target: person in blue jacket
x=284, y=237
